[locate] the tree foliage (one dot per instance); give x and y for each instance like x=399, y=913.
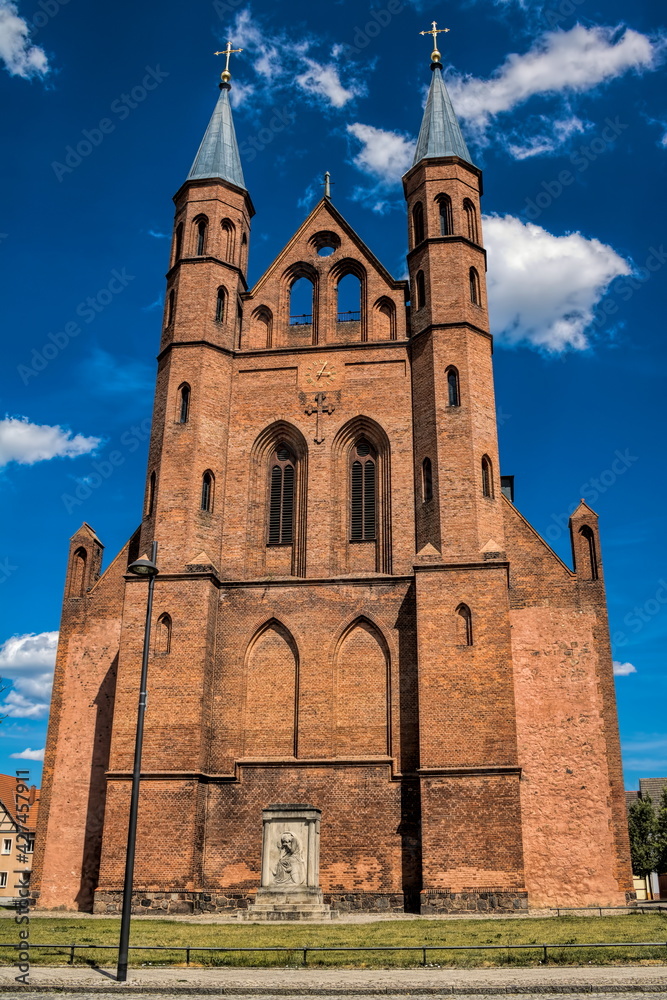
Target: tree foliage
x=643, y=829
x=661, y=833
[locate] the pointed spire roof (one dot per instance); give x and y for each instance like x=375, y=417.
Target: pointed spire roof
x=440, y=134
x=218, y=155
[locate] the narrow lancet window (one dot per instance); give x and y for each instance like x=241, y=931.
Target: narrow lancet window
x=418, y=223
x=150, y=501
x=453, y=393
x=281, y=497
x=446, y=218
x=163, y=635
x=421, y=290
x=202, y=226
x=589, y=537
x=220, y=305
x=427, y=480
x=487, y=478
x=471, y=221
x=363, y=493
x=184, y=408
x=207, y=491
x=463, y=625
x=475, y=295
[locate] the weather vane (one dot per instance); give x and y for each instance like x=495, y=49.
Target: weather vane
x=226, y=76
x=435, y=31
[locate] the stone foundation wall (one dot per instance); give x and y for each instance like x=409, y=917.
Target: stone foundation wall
x=219, y=902
x=474, y=902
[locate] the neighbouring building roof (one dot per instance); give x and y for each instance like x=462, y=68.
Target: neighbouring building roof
x=440, y=133
x=8, y=800
x=652, y=787
x=218, y=155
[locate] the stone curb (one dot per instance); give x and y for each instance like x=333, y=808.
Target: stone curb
x=554, y=990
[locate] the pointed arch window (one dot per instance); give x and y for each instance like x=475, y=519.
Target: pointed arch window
x=201, y=234
x=150, y=500
x=363, y=493
x=463, y=625
x=78, y=574
x=421, y=290
x=472, y=229
x=281, y=496
x=184, y=403
x=228, y=239
x=453, y=392
x=475, y=294
x=418, y=223
x=487, y=477
x=171, y=302
x=207, y=484
x=178, y=243
x=427, y=480
x=163, y=635
x=220, y=305
x=446, y=216
x=588, y=535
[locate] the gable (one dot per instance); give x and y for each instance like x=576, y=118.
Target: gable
x=324, y=250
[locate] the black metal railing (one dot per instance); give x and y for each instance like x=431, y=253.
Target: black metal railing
x=305, y=950
x=649, y=908
x=305, y=319
x=351, y=316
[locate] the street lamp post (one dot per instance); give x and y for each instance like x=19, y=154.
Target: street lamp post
x=146, y=568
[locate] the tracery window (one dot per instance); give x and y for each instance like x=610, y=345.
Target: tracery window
x=363, y=492
x=281, y=496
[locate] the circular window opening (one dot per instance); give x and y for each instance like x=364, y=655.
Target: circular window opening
x=325, y=243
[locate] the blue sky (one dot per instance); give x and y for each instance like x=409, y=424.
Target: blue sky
x=562, y=103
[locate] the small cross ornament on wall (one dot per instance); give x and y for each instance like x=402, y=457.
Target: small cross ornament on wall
x=319, y=408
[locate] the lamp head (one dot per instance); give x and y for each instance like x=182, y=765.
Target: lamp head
x=143, y=567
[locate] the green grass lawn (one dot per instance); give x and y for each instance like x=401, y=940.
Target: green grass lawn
x=554, y=931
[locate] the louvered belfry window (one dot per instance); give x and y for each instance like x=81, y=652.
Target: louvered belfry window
x=281, y=500
x=363, y=493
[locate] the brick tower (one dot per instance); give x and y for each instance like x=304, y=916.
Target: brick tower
x=438, y=686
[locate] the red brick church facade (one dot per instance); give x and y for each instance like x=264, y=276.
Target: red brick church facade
x=349, y=611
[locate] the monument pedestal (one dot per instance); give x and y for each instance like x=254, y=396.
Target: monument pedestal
x=290, y=888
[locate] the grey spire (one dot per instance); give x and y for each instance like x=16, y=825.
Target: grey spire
x=440, y=134
x=218, y=155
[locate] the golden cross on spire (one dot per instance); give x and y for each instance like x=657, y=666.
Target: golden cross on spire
x=226, y=76
x=435, y=31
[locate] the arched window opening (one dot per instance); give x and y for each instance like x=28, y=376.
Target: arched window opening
x=228, y=239
x=487, y=477
x=202, y=228
x=78, y=575
x=220, y=305
x=446, y=216
x=427, y=480
x=475, y=295
x=421, y=290
x=301, y=302
x=262, y=320
x=386, y=319
x=472, y=230
x=178, y=243
x=184, y=408
x=239, y=323
x=418, y=223
x=453, y=392
x=171, y=302
x=207, y=482
x=589, y=537
x=463, y=625
x=150, y=500
x=363, y=493
x=281, y=497
x=163, y=635
x=348, y=293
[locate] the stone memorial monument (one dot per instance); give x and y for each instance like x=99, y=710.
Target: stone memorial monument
x=290, y=885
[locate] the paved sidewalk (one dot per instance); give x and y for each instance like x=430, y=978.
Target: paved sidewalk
x=343, y=982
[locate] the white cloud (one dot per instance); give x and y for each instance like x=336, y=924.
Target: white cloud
x=26, y=443
x=543, y=289
x=28, y=661
x=324, y=81
x=20, y=56
x=558, y=132
x=384, y=155
x=560, y=62
x=623, y=669
x=29, y=754
x=282, y=62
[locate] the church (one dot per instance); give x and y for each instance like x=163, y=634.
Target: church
x=350, y=611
